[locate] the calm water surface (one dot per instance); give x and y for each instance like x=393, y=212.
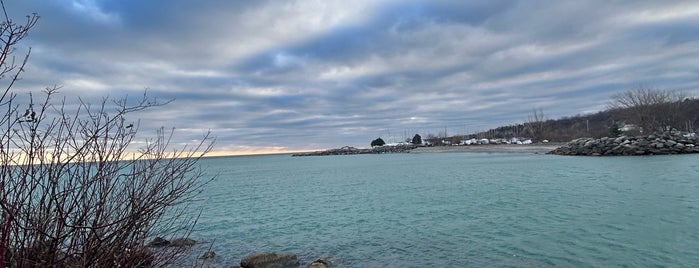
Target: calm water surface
x=456, y=210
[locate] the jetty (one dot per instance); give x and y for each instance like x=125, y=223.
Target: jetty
x=348, y=150
x=669, y=142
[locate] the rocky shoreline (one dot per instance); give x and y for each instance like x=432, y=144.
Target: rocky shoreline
x=348, y=150
x=256, y=260
x=669, y=142
x=540, y=148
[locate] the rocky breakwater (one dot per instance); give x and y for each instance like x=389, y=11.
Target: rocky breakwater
x=670, y=142
x=347, y=150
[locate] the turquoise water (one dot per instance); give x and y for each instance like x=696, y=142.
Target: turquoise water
x=456, y=210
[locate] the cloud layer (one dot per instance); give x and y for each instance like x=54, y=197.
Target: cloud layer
x=294, y=75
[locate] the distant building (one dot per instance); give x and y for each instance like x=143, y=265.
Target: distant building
x=469, y=142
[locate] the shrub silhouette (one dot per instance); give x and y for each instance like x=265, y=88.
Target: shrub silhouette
x=74, y=192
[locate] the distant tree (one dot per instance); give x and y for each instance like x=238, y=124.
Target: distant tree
x=652, y=109
x=535, y=124
x=378, y=142
x=615, y=131
x=456, y=139
x=434, y=140
x=417, y=139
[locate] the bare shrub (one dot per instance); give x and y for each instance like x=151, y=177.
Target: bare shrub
x=74, y=191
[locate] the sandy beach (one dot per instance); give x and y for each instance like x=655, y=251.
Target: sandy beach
x=540, y=148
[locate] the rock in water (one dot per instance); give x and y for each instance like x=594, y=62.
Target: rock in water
x=182, y=242
x=270, y=260
x=158, y=242
x=209, y=254
x=320, y=263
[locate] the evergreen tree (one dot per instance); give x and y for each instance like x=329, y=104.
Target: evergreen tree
x=615, y=131
x=417, y=139
x=378, y=142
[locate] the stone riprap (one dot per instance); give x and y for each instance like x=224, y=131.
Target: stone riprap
x=670, y=142
x=347, y=150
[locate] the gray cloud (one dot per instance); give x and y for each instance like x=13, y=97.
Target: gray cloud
x=306, y=74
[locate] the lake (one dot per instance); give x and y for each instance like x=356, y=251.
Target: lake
x=455, y=210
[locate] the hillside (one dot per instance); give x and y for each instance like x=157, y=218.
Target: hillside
x=683, y=115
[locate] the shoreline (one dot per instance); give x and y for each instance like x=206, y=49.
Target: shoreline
x=539, y=148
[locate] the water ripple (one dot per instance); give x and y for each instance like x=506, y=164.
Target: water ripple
x=456, y=210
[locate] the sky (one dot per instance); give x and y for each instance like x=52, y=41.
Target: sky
x=279, y=76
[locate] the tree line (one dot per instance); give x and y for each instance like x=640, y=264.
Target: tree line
x=637, y=111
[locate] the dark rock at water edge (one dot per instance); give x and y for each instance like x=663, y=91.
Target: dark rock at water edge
x=158, y=242
x=669, y=142
x=319, y=263
x=209, y=254
x=348, y=150
x=182, y=242
x=270, y=260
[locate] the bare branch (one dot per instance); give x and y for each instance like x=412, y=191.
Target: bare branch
x=72, y=192
x=651, y=109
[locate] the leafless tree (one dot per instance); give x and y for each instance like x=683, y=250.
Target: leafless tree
x=434, y=140
x=535, y=124
x=652, y=109
x=456, y=139
x=74, y=191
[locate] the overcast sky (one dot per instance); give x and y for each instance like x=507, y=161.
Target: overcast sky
x=295, y=75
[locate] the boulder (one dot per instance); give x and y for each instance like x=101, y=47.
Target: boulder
x=209, y=254
x=319, y=263
x=270, y=260
x=182, y=242
x=158, y=242
x=589, y=143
